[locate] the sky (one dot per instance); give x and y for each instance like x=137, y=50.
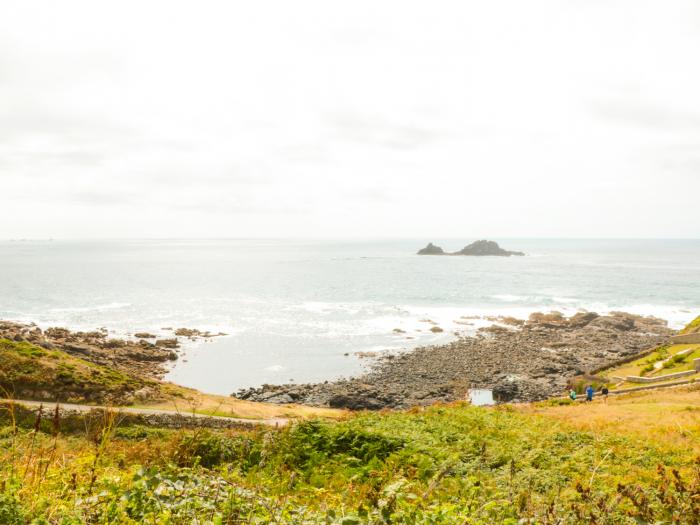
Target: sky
x=561, y=118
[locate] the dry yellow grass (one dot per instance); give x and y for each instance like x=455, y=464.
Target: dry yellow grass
x=187, y=400
x=669, y=416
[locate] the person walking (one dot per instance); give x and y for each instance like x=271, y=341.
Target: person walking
x=605, y=393
x=589, y=393
x=572, y=395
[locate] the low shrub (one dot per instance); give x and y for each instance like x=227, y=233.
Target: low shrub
x=675, y=360
x=211, y=449
x=648, y=368
x=580, y=383
x=313, y=441
x=11, y=512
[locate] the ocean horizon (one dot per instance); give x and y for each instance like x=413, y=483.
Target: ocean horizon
x=301, y=310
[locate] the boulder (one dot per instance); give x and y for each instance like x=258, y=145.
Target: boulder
x=552, y=319
x=505, y=391
x=168, y=343
x=581, y=319
x=618, y=322
x=358, y=401
x=281, y=399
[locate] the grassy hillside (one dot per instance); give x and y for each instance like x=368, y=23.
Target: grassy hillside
x=631, y=461
x=34, y=373
x=185, y=400
x=667, y=359
x=664, y=360
x=692, y=328
x=31, y=372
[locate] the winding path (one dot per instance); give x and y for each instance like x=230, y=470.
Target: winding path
x=202, y=418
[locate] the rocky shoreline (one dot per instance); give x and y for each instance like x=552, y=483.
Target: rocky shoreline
x=144, y=356
x=520, y=360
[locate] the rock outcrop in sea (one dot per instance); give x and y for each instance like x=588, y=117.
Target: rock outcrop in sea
x=477, y=248
x=480, y=248
x=431, y=249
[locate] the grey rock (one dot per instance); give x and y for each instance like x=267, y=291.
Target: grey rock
x=484, y=248
x=431, y=249
x=491, y=359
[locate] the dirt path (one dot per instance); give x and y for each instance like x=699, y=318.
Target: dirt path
x=202, y=418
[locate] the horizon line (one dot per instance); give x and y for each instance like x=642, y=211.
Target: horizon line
x=325, y=238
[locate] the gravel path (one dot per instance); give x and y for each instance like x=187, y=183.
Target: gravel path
x=201, y=419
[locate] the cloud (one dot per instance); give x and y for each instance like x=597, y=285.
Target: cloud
x=103, y=198
x=70, y=158
x=238, y=205
x=316, y=118
x=373, y=195
x=637, y=113
x=19, y=123
x=380, y=132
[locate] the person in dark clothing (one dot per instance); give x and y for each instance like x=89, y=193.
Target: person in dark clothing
x=605, y=393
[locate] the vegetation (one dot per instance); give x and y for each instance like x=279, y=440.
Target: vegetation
x=545, y=463
x=31, y=372
x=188, y=400
x=634, y=459
x=692, y=328
x=665, y=359
x=581, y=382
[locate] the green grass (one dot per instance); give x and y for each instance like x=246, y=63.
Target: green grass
x=441, y=465
x=644, y=366
x=30, y=372
x=34, y=373
x=692, y=327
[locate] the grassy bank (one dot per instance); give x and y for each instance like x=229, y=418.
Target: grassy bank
x=30, y=372
x=664, y=360
x=456, y=464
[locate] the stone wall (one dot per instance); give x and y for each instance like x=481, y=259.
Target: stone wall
x=685, y=339
x=640, y=379
x=71, y=418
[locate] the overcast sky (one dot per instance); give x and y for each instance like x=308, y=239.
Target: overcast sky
x=350, y=119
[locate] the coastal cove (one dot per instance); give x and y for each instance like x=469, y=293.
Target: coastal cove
x=293, y=309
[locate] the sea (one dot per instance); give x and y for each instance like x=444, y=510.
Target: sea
x=314, y=310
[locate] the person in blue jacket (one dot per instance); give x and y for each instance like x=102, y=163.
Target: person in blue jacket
x=589, y=393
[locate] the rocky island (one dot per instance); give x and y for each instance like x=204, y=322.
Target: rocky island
x=477, y=248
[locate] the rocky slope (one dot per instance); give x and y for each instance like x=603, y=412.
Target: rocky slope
x=519, y=360
x=28, y=371
x=140, y=358
x=477, y=248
